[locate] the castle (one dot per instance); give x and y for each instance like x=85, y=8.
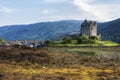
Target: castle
x=88, y=28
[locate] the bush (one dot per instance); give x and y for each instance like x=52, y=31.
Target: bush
x=91, y=41
x=47, y=42
x=83, y=39
x=79, y=40
x=94, y=38
x=66, y=40
x=74, y=41
x=56, y=42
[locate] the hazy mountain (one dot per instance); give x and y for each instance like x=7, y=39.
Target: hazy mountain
x=55, y=30
x=41, y=31
x=110, y=30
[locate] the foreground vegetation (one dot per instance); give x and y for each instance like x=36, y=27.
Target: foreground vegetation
x=60, y=63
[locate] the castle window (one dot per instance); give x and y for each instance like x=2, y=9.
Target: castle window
x=91, y=28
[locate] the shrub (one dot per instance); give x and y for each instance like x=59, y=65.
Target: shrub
x=79, y=40
x=74, y=41
x=66, y=40
x=92, y=41
x=82, y=39
x=56, y=42
x=94, y=38
x=47, y=42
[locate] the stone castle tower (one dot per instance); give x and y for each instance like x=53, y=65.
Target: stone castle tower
x=89, y=28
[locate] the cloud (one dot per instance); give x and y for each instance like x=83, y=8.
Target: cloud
x=46, y=11
x=6, y=10
x=99, y=11
x=49, y=11
x=56, y=1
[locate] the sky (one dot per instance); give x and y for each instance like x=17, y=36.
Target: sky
x=14, y=12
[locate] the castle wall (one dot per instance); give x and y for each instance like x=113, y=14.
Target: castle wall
x=85, y=31
x=93, y=31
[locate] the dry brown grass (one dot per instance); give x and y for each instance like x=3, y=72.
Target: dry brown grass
x=56, y=64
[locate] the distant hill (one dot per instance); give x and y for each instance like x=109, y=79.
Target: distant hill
x=110, y=30
x=39, y=31
x=55, y=30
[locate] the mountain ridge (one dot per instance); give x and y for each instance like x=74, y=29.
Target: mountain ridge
x=56, y=29
x=46, y=30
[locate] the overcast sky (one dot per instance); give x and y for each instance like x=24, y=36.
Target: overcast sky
x=32, y=11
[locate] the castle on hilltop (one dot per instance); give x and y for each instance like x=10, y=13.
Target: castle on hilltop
x=88, y=28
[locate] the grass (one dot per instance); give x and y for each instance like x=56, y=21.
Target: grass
x=89, y=51
x=75, y=45
x=93, y=43
x=59, y=63
x=107, y=43
x=81, y=73
x=97, y=44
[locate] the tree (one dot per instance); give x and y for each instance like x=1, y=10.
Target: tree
x=66, y=40
x=47, y=42
x=79, y=40
x=84, y=39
